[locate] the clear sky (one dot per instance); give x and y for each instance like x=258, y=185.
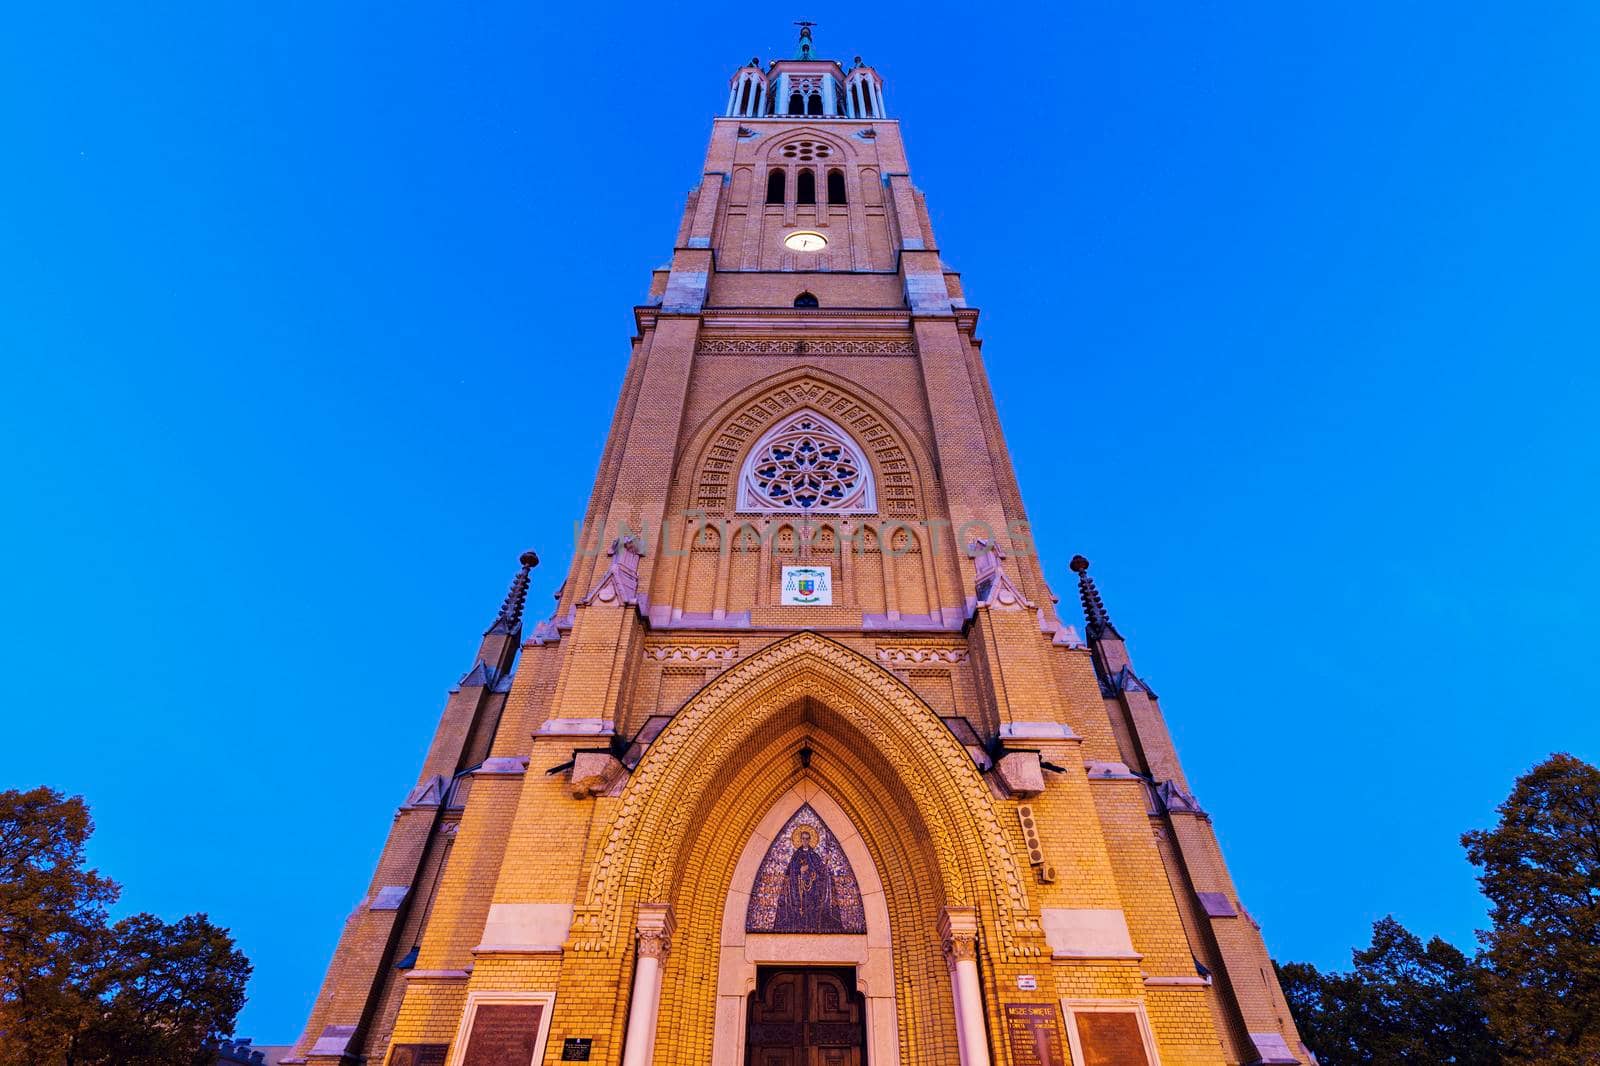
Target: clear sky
x=312, y=317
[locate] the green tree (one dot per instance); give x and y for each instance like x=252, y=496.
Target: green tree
x=1403, y=1002
x=1320, y=1005
x=52, y=923
x=1541, y=871
x=165, y=994
x=77, y=992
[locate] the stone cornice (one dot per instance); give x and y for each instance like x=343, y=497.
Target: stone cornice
x=800, y=319
x=810, y=319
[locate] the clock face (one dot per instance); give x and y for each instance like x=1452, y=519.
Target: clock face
x=805, y=241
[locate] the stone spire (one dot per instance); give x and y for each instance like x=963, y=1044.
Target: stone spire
x=510, y=618
x=1094, y=610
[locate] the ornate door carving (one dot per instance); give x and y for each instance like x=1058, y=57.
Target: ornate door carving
x=805, y=1017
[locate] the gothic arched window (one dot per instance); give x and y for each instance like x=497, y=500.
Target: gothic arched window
x=836, y=186
x=814, y=104
x=775, y=186
x=797, y=104
x=806, y=463
x=805, y=187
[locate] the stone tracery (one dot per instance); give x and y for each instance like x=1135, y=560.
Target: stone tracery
x=806, y=463
x=728, y=437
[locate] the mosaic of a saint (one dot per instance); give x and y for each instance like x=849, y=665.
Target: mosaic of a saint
x=807, y=903
x=805, y=883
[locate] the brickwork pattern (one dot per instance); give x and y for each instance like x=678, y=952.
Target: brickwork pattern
x=859, y=699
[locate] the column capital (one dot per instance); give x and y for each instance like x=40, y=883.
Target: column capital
x=958, y=929
x=655, y=927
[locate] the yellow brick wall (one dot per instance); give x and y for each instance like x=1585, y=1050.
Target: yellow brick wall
x=865, y=702
x=526, y=838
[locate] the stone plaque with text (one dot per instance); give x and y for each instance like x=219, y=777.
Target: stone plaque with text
x=1034, y=1035
x=503, y=1034
x=1111, y=1038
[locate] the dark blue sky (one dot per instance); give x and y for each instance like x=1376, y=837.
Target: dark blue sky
x=313, y=317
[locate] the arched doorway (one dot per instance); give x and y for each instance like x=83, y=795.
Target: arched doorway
x=805, y=1016
x=809, y=721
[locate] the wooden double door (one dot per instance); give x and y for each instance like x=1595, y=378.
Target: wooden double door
x=809, y=1016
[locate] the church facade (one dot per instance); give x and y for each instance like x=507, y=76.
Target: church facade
x=805, y=767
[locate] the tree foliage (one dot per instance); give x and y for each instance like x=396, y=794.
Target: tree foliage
x=75, y=991
x=52, y=921
x=1541, y=871
x=1532, y=995
x=1403, y=1002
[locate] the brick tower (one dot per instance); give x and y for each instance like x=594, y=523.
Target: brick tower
x=804, y=768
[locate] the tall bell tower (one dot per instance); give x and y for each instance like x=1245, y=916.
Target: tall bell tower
x=804, y=766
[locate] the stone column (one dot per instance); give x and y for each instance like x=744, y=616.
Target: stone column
x=655, y=941
x=958, y=928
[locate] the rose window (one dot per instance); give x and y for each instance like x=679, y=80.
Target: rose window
x=806, y=151
x=806, y=463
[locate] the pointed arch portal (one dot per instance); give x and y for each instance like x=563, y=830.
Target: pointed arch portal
x=808, y=721
x=645, y=851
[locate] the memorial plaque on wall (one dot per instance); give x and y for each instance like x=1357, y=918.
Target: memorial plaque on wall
x=576, y=1049
x=418, y=1055
x=503, y=1034
x=1111, y=1038
x=1034, y=1036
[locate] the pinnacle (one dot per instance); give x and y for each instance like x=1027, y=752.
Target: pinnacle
x=510, y=616
x=1094, y=609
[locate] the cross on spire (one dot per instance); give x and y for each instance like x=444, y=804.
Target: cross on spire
x=805, y=40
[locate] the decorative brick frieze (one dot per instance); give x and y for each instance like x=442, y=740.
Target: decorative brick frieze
x=802, y=346
x=710, y=654
x=907, y=655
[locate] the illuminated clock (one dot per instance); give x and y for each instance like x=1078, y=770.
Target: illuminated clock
x=805, y=240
